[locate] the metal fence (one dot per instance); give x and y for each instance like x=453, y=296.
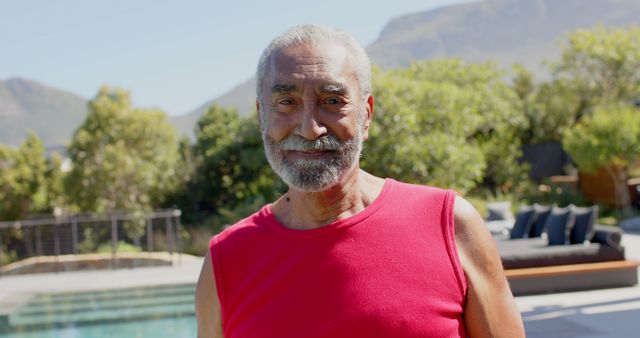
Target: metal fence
x=72, y=235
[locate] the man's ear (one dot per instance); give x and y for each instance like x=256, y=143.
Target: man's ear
x=367, y=122
x=259, y=113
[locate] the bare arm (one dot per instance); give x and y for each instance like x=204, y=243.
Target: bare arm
x=207, y=302
x=490, y=309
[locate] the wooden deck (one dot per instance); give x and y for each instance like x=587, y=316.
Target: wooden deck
x=573, y=277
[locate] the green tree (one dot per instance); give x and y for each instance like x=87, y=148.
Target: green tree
x=555, y=110
x=22, y=176
x=446, y=123
x=610, y=139
x=186, y=162
x=123, y=158
x=231, y=173
x=523, y=83
x=54, y=176
x=601, y=65
x=549, y=107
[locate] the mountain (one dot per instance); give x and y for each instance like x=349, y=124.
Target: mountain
x=506, y=31
x=242, y=97
x=28, y=105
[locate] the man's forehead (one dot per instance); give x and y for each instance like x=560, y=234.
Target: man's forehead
x=308, y=57
x=312, y=51
x=328, y=64
x=327, y=87
x=319, y=78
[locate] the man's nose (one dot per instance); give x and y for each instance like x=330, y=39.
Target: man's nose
x=309, y=126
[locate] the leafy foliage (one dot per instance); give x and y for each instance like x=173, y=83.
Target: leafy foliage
x=601, y=65
x=121, y=247
x=598, y=66
x=602, y=69
x=230, y=168
x=54, y=194
x=549, y=108
x=609, y=138
x=22, y=176
x=123, y=158
x=445, y=123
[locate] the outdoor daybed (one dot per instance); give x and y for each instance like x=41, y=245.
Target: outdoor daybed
x=551, y=249
x=521, y=253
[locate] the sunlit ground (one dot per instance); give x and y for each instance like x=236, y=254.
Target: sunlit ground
x=598, y=313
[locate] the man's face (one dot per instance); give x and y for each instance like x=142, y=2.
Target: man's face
x=313, y=116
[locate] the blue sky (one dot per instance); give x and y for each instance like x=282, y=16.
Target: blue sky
x=170, y=54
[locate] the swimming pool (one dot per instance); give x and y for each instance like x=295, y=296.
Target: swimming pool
x=164, y=311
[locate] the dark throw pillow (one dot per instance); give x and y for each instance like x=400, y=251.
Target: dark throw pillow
x=541, y=214
x=558, y=225
x=524, y=219
x=499, y=211
x=584, y=218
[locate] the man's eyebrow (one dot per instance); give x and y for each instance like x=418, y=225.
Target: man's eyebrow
x=283, y=88
x=336, y=89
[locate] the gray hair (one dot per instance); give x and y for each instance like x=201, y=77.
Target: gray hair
x=312, y=33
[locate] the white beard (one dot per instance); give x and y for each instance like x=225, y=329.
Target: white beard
x=313, y=175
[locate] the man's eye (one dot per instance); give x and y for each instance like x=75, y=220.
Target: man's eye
x=333, y=100
x=285, y=101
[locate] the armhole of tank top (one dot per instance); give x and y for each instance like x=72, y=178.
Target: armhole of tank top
x=450, y=238
x=216, y=261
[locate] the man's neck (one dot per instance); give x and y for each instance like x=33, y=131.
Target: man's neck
x=309, y=210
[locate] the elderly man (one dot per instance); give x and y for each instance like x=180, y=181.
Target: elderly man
x=344, y=253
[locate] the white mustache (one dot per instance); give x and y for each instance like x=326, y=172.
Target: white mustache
x=298, y=143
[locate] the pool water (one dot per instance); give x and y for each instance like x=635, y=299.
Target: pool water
x=166, y=311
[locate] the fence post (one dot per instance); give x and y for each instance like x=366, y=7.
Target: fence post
x=149, y=234
x=114, y=242
x=27, y=238
x=56, y=243
x=38, y=241
x=176, y=214
x=170, y=238
x=74, y=235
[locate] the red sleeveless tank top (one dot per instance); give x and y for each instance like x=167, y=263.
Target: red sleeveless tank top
x=391, y=270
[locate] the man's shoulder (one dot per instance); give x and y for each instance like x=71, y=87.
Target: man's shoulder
x=250, y=224
x=419, y=188
x=413, y=196
x=465, y=212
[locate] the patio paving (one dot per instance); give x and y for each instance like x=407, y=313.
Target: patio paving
x=184, y=272
x=598, y=313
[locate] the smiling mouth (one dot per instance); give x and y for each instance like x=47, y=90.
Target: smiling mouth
x=310, y=153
